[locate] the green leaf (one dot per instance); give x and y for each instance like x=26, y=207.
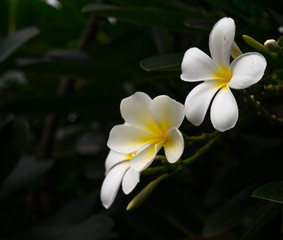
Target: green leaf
x=271, y=191
x=144, y=194
x=163, y=62
x=13, y=140
x=145, y=16
x=12, y=42
x=26, y=170
x=232, y=213
x=269, y=213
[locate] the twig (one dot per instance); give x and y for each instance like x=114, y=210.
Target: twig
x=66, y=86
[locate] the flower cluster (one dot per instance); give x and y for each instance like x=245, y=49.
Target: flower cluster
x=219, y=76
x=152, y=124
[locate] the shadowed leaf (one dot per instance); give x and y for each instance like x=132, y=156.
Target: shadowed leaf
x=9, y=44
x=271, y=191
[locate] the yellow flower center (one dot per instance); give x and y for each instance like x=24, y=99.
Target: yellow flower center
x=158, y=133
x=223, y=76
x=130, y=155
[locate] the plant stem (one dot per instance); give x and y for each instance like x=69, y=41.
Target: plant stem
x=202, y=137
x=199, y=152
x=13, y=5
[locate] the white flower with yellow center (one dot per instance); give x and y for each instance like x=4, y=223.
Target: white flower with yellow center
x=150, y=124
x=219, y=76
x=118, y=172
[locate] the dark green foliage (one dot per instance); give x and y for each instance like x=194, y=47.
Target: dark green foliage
x=63, y=73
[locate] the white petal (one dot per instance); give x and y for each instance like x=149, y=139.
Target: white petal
x=135, y=110
x=130, y=180
x=247, y=70
x=174, y=146
x=111, y=183
x=198, y=100
x=224, y=110
x=197, y=66
x=221, y=39
x=127, y=139
x=114, y=158
x=167, y=113
x=145, y=156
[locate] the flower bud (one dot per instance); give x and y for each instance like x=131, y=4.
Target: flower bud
x=271, y=45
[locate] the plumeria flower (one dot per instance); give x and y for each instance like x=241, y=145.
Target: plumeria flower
x=150, y=124
x=219, y=76
x=118, y=172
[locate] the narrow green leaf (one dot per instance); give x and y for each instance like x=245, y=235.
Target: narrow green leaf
x=269, y=213
x=232, y=213
x=13, y=140
x=145, y=16
x=271, y=191
x=163, y=62
x=9, y=44
x=144, y=194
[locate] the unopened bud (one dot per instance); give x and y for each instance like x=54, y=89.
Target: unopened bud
x=271, y=45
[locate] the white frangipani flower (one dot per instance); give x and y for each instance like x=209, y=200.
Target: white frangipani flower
x=150, y=124
x=219, y=76
x=118, y=171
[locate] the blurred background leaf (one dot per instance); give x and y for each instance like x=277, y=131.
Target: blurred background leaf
x=108, y=50
x=9, y=44
x=270, y=191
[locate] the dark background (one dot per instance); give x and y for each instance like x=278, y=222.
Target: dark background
x=63, y=73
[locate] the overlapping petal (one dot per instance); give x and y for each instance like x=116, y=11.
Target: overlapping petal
x=145, y=156
x=167, y=113
x=136, y=112
x=114, y=158
x=221, y=39
x=197, y=66
x=198, y=100
x=224, y=110
x=112, y=183
x=130, y=180
x=174, y=146
x=127, y=139
x=247, y=70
